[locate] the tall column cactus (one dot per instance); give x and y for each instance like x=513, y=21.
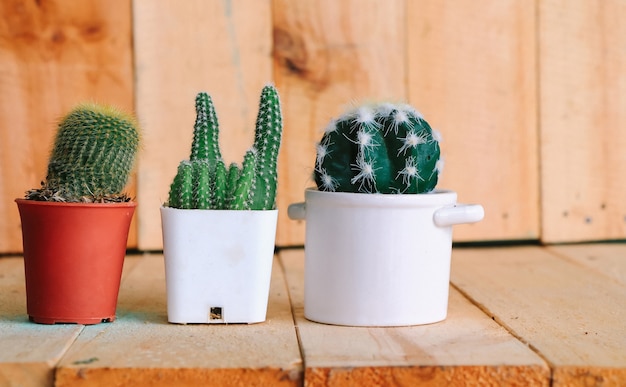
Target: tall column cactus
x=379, y=148
x=251, y=187
x=191, y=187
x=205, y=145
x=93, y=154
x=268, y=133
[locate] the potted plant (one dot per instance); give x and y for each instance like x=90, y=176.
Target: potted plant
x=219, y=223
x=75, y=226
x=378, y=234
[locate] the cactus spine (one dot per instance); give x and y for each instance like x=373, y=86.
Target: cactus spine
x=93, y=154
x=204, y=181
x=379, y=148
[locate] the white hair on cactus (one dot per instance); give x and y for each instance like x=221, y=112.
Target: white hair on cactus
x=322, y=152
x=365, y=172
x=400, y=118
x=364, y=139
x=410, y=110
x=409, y=172
x=364, y=116
x=437, y=135
x=439, y=166
x=385, y=109
x=411, y=140
x=328, y=183
x=331, y=126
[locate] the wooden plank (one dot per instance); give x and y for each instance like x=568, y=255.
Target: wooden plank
x=181, y=48
x=53, y=55
x=582, y=115
x=328, y=54
x=472, y=74
x=468, y=348
x=28, y=352
x=572, y=316
x=141, y=346
x=608, y=259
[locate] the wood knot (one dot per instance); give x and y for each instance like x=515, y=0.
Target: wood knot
x=301, y=59
x=290, y=52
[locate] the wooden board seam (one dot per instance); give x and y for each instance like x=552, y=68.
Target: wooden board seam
x=293, y=313
x=509, y=330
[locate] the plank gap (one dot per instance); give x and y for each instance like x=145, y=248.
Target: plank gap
x=293, y=312
x=505, y=326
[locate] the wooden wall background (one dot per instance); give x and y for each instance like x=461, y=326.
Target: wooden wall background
x=529, y=95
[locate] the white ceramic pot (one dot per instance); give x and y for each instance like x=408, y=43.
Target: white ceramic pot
x=218, y=264
x=379, y=260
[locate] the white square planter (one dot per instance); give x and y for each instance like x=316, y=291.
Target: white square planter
x=218, y=264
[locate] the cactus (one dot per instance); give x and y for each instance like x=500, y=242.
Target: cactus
x=378, y=148
x=205, y=145
x=94, y=152
x=181, y=191
x=267, y=139
x=249, y=187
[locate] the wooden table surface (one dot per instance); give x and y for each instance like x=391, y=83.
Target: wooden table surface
x=517, y=316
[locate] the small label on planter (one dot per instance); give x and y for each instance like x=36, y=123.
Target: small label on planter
x=215, y=313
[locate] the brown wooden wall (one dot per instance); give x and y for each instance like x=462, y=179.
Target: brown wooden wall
x=530, y=96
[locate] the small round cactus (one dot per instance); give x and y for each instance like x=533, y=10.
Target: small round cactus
x=378, y=148
x=94, y=152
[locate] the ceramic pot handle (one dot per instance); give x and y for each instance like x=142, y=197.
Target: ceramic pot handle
x=458, y=214
x=297, y=211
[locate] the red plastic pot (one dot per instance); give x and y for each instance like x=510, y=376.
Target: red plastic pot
x=73, y=259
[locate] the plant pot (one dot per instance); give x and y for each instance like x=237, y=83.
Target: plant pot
x=73, y=259
x=379, y=260
x=218, y=264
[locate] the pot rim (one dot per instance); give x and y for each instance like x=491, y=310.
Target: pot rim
x=436, y=197
x=22, y=201
x=166, y=208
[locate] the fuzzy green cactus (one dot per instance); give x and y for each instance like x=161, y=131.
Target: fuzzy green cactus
x=204, y=181
x=94, y=152
x=378, y=148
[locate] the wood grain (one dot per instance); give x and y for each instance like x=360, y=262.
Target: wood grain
x=327, y=55
x=53, y=55
x=583, y=98
x=472, y=73
x=182, y=48
x=155, y=353
x=608, y=259
x=537, y=316
x=572, y=316
x=528, y=95
x=468, y=348
x=28, y=351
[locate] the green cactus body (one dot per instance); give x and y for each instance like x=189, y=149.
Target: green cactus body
x=381, y=148
x=205, y=145
x=219, y=186
x=231, y=182
x=201, y=185
x=181, y=190
x=251, y=187
x=268, y=134
x=93, y=155
x=240, y=199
